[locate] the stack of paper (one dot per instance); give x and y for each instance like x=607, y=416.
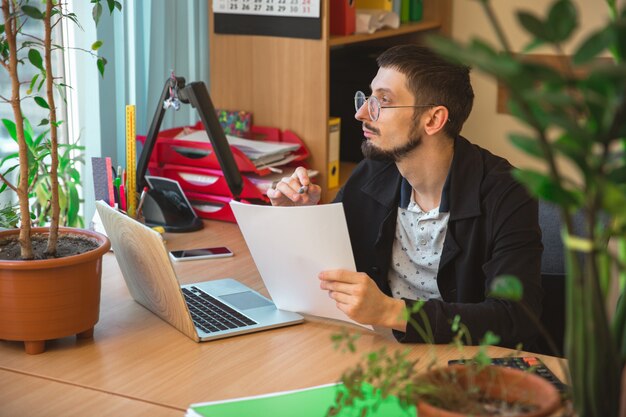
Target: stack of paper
x=262, y=153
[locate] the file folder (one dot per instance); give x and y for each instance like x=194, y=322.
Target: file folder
x=416, y=10
x=342, y=17
x=334, y=137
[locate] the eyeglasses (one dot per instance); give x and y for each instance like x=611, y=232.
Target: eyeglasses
x=373, y=105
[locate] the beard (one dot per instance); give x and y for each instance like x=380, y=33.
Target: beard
x=371, y=151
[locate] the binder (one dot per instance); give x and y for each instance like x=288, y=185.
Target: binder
x=334, y=137
x=405, y=15
x=342, y=17
x=386, y=5
x=397, y=7
x=416, y=10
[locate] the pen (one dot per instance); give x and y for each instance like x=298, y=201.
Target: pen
x=116, y=184
x=122, y=197
x=141, y=200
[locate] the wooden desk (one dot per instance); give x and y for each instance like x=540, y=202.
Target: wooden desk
x=144, y=362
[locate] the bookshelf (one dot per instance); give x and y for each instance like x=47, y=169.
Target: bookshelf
x=286, y=82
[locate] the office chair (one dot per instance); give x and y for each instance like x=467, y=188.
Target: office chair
x=552, y=278
x=553, y=275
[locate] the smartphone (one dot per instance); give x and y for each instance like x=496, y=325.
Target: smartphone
x=202, y=253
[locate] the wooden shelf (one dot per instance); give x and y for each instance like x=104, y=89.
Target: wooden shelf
x=404, y=29
x=285, y=82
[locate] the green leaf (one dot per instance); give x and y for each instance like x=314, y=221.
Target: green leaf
x=73, y=205
x=532, y=45
x=9, y=157
x=40, y=138
x=118, y=5
x=11, y=169
x=594, y=45
x=35, y=58
x=42, y=102
x=618, y=175
x=542, y=186
x=32, y=84
x=527, y=144
x=29, y=132
x=614, y=198
x=507, y=287
x=490, y=339
x=96, y=12
x=111, y=4
x=74, y=18
x=96, y=45
x=575, y=150
x=1, y=29
x=562, y=20
x=11, y=128
x=44, y=122
x=534, y=26
x=101, y=63
x=32, y=11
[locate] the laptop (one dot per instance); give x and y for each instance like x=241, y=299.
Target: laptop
x=203, y=311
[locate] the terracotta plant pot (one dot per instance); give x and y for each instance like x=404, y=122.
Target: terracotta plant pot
x=48, y=299
x=498, y=382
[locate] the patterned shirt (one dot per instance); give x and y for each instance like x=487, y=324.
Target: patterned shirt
x=417, y=250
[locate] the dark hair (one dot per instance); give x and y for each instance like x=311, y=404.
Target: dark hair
x=433, y=80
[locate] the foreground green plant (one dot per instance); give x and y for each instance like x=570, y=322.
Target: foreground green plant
x=382, y=374
x=580, y=119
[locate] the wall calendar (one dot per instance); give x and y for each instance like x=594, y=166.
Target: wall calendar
x=283, y=8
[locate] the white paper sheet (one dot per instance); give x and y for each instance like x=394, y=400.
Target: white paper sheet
x=291, y=246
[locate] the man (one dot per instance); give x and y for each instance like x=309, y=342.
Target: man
x=431, y=216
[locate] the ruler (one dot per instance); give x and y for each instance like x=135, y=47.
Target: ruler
x=131, y=160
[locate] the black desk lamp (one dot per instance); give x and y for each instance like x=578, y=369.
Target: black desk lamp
x=160, y=209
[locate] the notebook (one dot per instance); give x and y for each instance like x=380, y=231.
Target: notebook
x=203, y=311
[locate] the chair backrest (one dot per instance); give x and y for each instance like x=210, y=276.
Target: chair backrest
x=552, y=277
x=553, y=274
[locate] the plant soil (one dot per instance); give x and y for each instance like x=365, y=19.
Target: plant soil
x=67, y=245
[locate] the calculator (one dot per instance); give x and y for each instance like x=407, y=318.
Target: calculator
x=525, y=363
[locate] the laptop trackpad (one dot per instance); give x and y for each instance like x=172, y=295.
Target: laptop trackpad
x=245, y=300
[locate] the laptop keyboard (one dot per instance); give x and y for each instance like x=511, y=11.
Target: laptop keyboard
x=210, y=314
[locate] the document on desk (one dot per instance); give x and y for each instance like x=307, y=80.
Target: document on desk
x=291, y=246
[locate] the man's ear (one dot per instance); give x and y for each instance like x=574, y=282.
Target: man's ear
x=436, y=119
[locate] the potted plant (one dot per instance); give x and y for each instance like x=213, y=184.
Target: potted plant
x=54, y=291
x=576, y=113
x=476, y=388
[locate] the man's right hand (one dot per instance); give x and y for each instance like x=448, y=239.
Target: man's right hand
x=286, y=192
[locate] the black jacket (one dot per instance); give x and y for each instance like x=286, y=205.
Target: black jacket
x=492, y=230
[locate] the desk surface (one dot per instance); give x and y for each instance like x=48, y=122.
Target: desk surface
x=143, y=362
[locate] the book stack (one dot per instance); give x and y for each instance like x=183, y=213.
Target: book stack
x=186, y=155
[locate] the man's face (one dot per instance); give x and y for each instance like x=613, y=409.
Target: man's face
x=396, y=132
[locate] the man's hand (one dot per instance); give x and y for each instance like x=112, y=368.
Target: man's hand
x=357, y=295
x=296, y=190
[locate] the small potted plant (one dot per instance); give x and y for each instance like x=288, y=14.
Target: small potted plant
x=386, y=382
x=50, y=286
